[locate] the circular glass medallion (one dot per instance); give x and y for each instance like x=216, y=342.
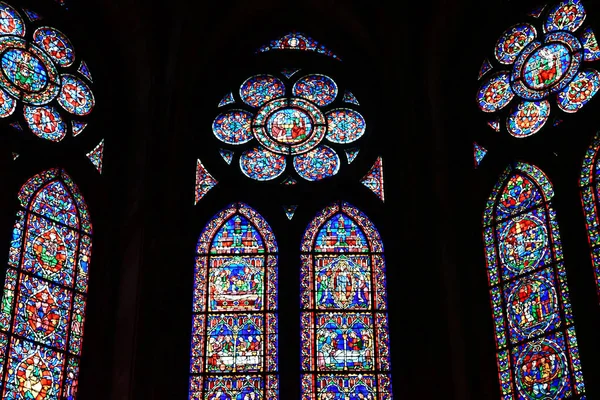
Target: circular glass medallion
x=565, y=16
x=528, y=118
x=319, y=163
x=546, y=66
x=319, y=89
x=261, y=164
x=541, y=370
x=495, y=93
x=75, y=96
x=345, y=125
x=523, y=243
x=259, y=89
x=24, y=70
x=289, y=126
x=45, y=122
x=10, y=21
x=7, y=104
x=532, y=306
x=233, y=127
x=27, y=72
x=55, y=44
x=513, y=41
x=580, y=91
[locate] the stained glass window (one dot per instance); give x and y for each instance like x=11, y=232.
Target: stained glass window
x=539, y=63
x=288, y=118
x=204, y=182
x=590, y=191
x=344, y=324
x=536, y=345
x=44, y=298
x=297, y=41
x=41, y=70
x=374, y=179
x=234, y=352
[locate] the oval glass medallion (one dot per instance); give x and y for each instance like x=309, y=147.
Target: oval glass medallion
x=546, y=66
x=512, y=41
x=345, y=125
x=45, y=122
x=259, y=89
x=320, y=89
x=528, y=118
x=319, y=163
x=580, y=91
x=261, y=164
x=24, y=70
x=55, y=44
x=495, y=93
x=11, y=22
x=75, y=96
x=233, y=127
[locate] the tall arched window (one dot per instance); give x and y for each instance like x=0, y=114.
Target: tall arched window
x=589, y=198
x=345, y=337
x=536, y=344
x=234, y=327
x=43, y=304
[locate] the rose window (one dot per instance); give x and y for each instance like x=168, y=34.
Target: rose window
x=539, y=67
x=40, y=84
x=288, y=124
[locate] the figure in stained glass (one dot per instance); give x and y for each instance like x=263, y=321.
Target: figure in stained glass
x=39, y=74
x=43, y=304
x=532, y=313
x=290, y=126
x=344, y=324
x=234, y=327
x=537, y=61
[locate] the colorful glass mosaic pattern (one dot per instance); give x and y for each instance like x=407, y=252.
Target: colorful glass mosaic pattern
x=319, y=89
x=486, y=66
x=44, y=298
x=374, y=179
x=537, y=62
x=226, y=155
x=297, y=41
x=289, y=211
x=204, y=181
x=349, y=97
x=478, y=153
x=96, y=155
x=351, y=154
x=590, y=191
x=41, y=72
x=345, y=346
x=234, y=323
x=536, y=345
x=290, y=126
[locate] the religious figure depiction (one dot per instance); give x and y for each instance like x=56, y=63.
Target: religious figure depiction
x=524, y=243
x=342, y=283
x=233, y=347
x=236, y=284
x=344, y=342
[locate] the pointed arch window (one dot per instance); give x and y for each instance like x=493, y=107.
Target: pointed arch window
x=44, y=298
x=234, y=327
x=536, y=344
x=345, y=336
x=590, y=189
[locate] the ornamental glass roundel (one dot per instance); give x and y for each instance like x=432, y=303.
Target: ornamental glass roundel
x=40, y=72
x=534, y=62
x=283, y=113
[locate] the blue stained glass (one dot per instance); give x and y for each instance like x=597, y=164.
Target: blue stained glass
x=259, y=89
x=320, y=89
x=24, y=70
x=343, y=293
x=320, y=163
x=233, y=127
x=228, y=99
x=479, y=153
x=289, y=211
x=261, y=164
x=45, y=122
x=7, y=104
x=75, y=96
x=289, y=72
x=350, y=98
x=235, y=283
x=32, y=15
x=528, y=289
x=55, y=44
x=345, y=125
x=85, y=71
x=226, y=155
x=568, y=15
x=11, y=22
